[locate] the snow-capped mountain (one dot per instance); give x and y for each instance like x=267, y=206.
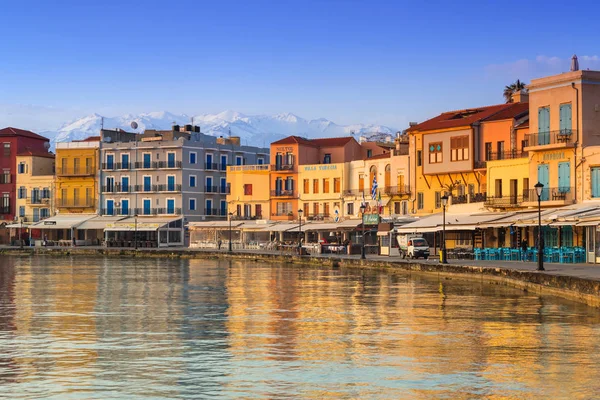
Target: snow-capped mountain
x=258, y=130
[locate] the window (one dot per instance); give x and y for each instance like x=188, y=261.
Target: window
x=209, y=185
x=208, y=207
x=260, y=161
x=336, y=185
x=209, y=161
x=170, y=160
x=306, y=185
x=361, y=183
x=88, y=196
x=76, y=165
x=350, y=208
x=248, y=189
x=500, y=147
x=419, y=158
x=6, y=149
x=397, y=207
x=76, y=196
x=125, y=207
x=63, y=196
x=488, y=151
x=224, y=207
x=315, y=186
x=21, y=211
x=63, y=163
x=170, y=206
x=124, y=162
x=110, y=207
x=459, y=148
x=171, y=183
x=147, y=183
x=239, y=160
x=326, y=209
x=369, y=153
x=21, y=168
x=438, y=199
x=44, y=213
x=223, y=162
x=435, y=153
x=147, y=157
x=289, y=183
x=193, y=157
x=327, y=159
x=192, y=180
x=22, y=192
x=315, y=208
x=147, y=206
x=258, y=211
x=325, y=185
x=498, y=193
x=192, y=205
x=284, y=208
x=305, y=209
x=420, y=200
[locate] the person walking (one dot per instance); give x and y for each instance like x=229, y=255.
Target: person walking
x=219, y=243
x=524, y=250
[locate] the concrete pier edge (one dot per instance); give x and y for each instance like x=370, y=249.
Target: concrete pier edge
x=582, y=290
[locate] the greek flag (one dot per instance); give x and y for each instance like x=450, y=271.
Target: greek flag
x=374, y=189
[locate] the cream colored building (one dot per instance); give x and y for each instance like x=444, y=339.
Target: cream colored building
x=35, y=186
x=321, y=190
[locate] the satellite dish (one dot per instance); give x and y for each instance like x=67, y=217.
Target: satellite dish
x=108, y=139
x=134, y=125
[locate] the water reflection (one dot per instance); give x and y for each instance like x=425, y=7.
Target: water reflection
x=113, y=328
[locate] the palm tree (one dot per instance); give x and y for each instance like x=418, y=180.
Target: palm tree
x=511, y=89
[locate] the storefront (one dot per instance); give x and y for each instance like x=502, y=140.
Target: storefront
x=145, y=232
x=61, y=230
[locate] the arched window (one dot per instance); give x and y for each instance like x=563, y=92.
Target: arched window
x=388, y=176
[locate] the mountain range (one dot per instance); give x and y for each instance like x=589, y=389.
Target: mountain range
x=257, y=130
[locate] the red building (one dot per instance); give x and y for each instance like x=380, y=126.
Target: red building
x=14, y=141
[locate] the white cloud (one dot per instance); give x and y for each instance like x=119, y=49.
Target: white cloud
x=542, y=65
x=590, y=58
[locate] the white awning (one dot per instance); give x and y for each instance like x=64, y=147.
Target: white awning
x=99, y=223
x=285, y=227
x=588, y=223
x=563, y=223
x=65, y=221
x=147, y=224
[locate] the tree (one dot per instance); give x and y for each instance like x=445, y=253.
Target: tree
x=511, y=89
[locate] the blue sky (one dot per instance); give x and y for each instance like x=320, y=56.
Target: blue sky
x=348, y=61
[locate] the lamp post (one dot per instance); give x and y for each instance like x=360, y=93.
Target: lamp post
x=300, y=211
x=135, y=235
x=538, y=189
x=363, y=207
x=444, y=259
x=230, y=248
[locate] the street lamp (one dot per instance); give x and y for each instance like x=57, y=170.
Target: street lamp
x=300, y=232
x=444, y=204
x=539, y=188
x=230, y=246
x=135, y=240
x=363, y=207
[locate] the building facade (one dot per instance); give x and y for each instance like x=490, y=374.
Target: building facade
x=181, y=172
x=77, y=172
x=35, y=186
x=15, y=141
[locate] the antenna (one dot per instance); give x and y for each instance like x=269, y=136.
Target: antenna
x=230, y=133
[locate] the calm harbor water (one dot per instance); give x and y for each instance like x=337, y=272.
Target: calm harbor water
x=130, y=328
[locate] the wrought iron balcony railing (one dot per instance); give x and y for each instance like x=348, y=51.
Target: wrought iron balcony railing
x=563, y=136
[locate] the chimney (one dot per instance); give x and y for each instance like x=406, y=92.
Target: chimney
x=522, y=96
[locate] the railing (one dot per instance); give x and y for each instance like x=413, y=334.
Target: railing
x=38, y=200
x=396, y=190
x=478, y=197
x=479, y=165
x=550, y=194
x=5, y=178
x=168, y=188
x=257, y=167
x=116, y=188
x=563, y=136
x=117, y=211
x=215, y=167
x=282, y=167
x=158, y=164
x=505, y=155
x=245, y=217
x=357, y=192
x=288, y=216
x=460, y=199
x=145, y=188
x=215, y=211
x=318, y=217
x=156, y=211
x=81, y=171
x=169, y=164
x=77, y=203
x=117, y=166
x=505, y=201
x=283, y=193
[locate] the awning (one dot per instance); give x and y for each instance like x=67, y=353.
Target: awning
x=285, y=227
x=588, y=223
x=99, y=223
x=323, y=227
x=65, y=221
x=147, y=224
x=563, y=223
x=213, y=224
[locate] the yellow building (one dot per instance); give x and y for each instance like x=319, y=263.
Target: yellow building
x=77, y=176
x=321, y=190
x=35, y=186
x=249, y=191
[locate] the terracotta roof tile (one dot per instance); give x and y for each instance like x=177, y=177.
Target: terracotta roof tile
x=515, y=110
x=325, y=142
x=378, y=156
x=36, y=153
x=10, y=131
x=89, y=139
x=454, y=119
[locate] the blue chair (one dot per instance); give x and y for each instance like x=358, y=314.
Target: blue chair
x=478, y=254
x=579, y=255
x=567, y=255
x=515, y=254
x=505, y=254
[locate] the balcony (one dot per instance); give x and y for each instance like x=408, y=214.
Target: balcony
x=506, y=155
x=83, y=203
x=284, y=216
x=6, y=178
x=117, y=211
x=283, y=193
x=283, y=167
x=257, y=167
x=215, y=211
x=550, y=140
x=217, y=189
x=146, y=165
x=215, y=167
x=81, y=171
x=469, y=198
x=168, y=188
x=357, y=192
x=550, y=196
x=116, y=166
x=479, y=165
x=169, y=164
x=156, y=211
x=504, y=202
x=38, y=201
x=396, y=190
x=5, y=210
x=116, y=188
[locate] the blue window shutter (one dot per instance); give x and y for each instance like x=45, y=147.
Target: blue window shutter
x=565, y=117
x=564, y=177
x=596, y=182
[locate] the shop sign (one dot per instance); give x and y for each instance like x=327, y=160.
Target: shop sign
x=49, y=222
x=371, y=219
x=554, y=156
x=326, y=167
x=284, y=148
